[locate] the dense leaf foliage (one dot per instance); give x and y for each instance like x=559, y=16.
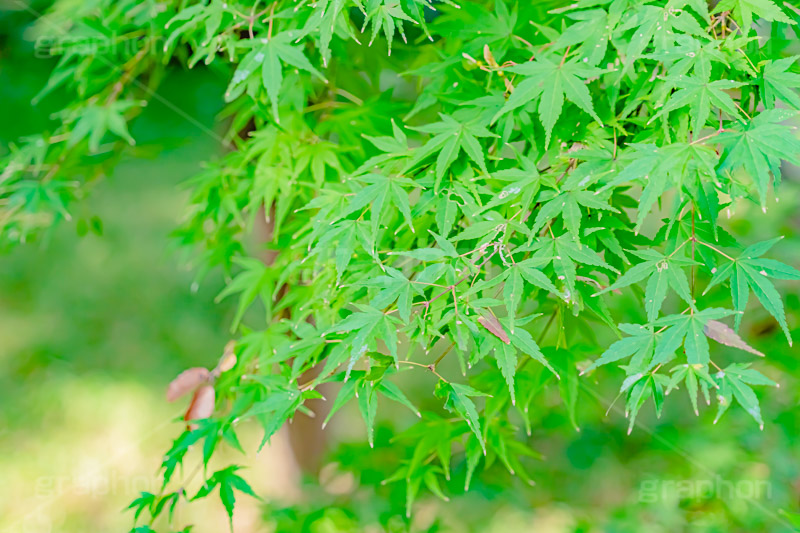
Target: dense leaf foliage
x=407, y=183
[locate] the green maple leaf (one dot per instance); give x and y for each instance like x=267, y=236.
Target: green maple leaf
x=777, y=83
x=506, y=353
x=394, y=287
x=382, y=193
x=758, y=146
x=734, y=382
x=687, y=330
x=346, y=233
x=368, y=406
x=692, y=376
x=662, y=272
x=593, y=30
x=743, y=11
x=368, y=324
x=327, y=17
x=314, y=158
x=566, y=204
x=660, y=168
x=451, y=137
x=564, y=252
x=209, y=16
x=551, y=83
x=690, y=54
x=700, y=95
x=280, y=405
x=228, y=481
x=268, y=56
x=661, y=25
x=458, y=400
x=516, y=276
x=254, y=281
x=640, y=344
x=95, y=121
x=145, y=501
x=495, y=26
x=565, y=362
x=394, y=146
x=640, y=386
x=386, y=15
x=750, y=272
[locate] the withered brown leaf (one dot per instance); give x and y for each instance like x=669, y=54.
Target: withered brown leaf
x=228, y=359
x=202, y=405
x=187, y=381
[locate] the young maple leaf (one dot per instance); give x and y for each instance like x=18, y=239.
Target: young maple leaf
x=567, y=204
x=663, y=271
x=228, y=480
x=700, y=95
x=551, y=83
x=660, y=168
x=777, y=83
x=749, y=272
x=690, y=54
x=743, y=11
x=450, y=137
x=692, y=376
x=593, y=30
x=688, y=330
x=661, y=25
x=386, y=15
x=268, y=55
x=758, y=146
x=734, y=382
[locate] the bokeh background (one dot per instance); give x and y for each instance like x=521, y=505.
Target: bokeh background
x=98, y=317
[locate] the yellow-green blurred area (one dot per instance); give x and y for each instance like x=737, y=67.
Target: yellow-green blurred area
x=99, y=316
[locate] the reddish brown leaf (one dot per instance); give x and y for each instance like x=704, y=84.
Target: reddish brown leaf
x=187, y=381
x=724, y=335
x=202, y=405
x=491, y=323
x=228, y=359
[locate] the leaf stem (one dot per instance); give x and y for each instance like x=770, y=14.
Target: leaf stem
x=720, y=130
x=715, y=249
x=564, y=56
x=694, y=240
x=429, y=367
x=445, y=352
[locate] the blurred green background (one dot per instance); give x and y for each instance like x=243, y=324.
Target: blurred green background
x=94, y=324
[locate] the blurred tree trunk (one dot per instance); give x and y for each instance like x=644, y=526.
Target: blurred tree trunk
x=306, y=437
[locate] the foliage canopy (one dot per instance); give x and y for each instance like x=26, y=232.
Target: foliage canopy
x=433, y=182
